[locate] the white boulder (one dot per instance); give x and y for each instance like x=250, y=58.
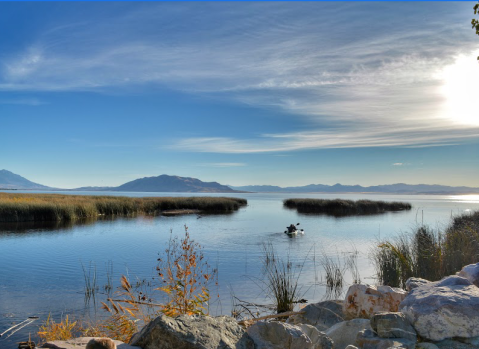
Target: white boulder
x=412, y=283
x=279, y=335
x=345, y=333
x=444, y=309
x=393, y=325
x=321, y=315
x=319, y=339
x=368, y=339
x=471, y=272
x=365, y=300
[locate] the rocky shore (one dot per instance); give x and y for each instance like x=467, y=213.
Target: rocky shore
x=429, y=315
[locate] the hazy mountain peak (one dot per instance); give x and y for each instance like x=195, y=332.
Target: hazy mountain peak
x=10, y=180
x=166, y=183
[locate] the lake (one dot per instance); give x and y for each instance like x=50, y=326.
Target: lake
x=42, y=265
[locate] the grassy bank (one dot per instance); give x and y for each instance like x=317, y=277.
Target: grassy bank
x=55, y=207
x=339, y=207
x=428, y=254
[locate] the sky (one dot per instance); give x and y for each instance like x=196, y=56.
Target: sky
x=242, y=93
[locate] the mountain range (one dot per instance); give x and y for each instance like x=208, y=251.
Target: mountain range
x=165, y=183
x=398, y=188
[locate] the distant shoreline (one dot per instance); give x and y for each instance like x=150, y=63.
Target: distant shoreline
x=253, y=192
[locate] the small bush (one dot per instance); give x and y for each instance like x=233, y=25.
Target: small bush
x=185, y=275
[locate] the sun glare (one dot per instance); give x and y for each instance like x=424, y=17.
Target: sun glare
x=473, y=198
x=461, y=90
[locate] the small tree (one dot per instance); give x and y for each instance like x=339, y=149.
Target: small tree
x=185, y=275
x=475, y=22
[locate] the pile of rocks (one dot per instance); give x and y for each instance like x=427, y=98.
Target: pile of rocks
x=429, y=315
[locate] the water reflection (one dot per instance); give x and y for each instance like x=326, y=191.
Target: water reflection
x=54, y=227
x=32, y=228
x=465, y=198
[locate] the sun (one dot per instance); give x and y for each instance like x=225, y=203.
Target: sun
x=461, y=90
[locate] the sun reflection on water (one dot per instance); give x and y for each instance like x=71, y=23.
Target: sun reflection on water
x=473, y=198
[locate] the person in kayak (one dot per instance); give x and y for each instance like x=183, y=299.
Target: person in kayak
x=291, y=228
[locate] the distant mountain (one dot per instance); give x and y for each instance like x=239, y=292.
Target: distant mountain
x=165, y=183
x=399, y=188
x=93, y=189
x=10, y=180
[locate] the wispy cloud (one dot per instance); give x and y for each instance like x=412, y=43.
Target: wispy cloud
x=339, y=138
x=346, y=83
x=400, y=164
x=23, y=101
x=223, y=164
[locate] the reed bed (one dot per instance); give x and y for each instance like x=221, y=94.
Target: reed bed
x=428, y=254
x=56, y=207
x=281, y=279
x=339, y=207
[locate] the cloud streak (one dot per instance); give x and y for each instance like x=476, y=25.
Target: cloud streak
x=224, y=164
x=359, y=138
x=345, y=84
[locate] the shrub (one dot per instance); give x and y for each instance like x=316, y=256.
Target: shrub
x=185, y=276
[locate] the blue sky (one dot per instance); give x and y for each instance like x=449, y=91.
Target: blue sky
x=286, y=93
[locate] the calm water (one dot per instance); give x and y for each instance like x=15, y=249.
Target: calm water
x=41, y=266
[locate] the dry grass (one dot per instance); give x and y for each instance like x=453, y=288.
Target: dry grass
x=428, y=254
x=61, y=331
x=56, y=207
x=281, y=279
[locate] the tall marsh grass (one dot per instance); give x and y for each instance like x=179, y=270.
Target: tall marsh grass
x=426, y=253
x=281, y=279
x=55, y=207
x=340, y=207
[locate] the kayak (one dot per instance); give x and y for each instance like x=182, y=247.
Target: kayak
x=295, y=232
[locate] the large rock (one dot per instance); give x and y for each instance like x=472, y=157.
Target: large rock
x=444, y=309
x=365, y=300
x=452, y=344
x=471, y=272
x=80, y=343
x=393, y=325
x=321, y=315
x=279, y=335
x=318, y=338
x=367, y=339
x=426, y=345
x=345, y=333
x=471, y=340
x=412, y=283
x=192, y=332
